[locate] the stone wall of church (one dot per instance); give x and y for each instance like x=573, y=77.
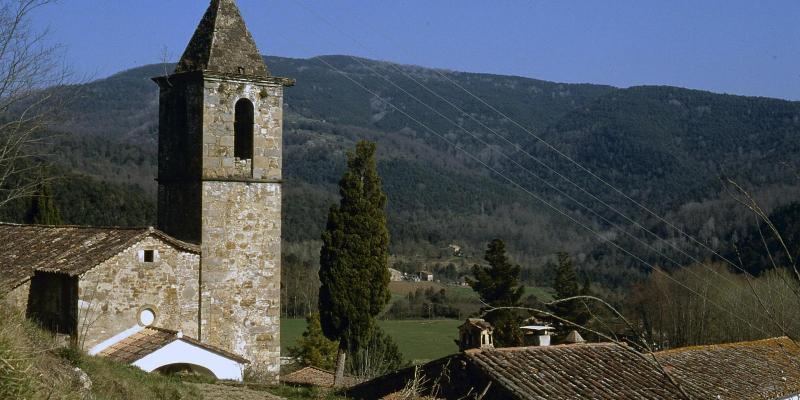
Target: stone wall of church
x=241, y=271
x=221, y=97
x=112, y=295
x=241, y=224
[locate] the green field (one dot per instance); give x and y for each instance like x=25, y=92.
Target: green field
x=419, y=340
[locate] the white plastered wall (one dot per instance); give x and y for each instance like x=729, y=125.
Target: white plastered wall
x=182, y=352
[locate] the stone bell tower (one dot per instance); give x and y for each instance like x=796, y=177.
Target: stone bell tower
x=219, y=182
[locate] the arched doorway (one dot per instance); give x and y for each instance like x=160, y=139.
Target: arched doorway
x=185, y=369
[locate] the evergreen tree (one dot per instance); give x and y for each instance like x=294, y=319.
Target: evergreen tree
x=314, y=349
x=42, y=210
x=354, y=257
x=566, y=286
x=498, y=285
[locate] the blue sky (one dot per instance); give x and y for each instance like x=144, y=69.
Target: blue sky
x=732, y=46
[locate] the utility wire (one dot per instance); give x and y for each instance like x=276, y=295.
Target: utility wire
x=539, y=161
x=546, y=182
x=530, y=193
x=541, y=140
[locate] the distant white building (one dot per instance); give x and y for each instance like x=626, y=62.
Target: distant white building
x=395, y=275
x=425, y=276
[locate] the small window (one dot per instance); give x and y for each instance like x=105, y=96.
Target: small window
x=149, y=256
x=243, y=130
x=147, y=317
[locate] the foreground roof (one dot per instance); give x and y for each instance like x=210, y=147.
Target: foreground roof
x=222, y=43
x=582, y=371
x=579, y=371
x=151, y=339
x=761, y=369
x=70, y=250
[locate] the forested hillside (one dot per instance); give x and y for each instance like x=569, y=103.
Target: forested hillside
x=665, y=147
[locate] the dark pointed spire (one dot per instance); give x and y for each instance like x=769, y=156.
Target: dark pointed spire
x=223, y=44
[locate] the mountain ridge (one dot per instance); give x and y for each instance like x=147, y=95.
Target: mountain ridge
x=661, y=145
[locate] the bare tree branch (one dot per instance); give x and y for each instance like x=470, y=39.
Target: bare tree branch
x=32, y=78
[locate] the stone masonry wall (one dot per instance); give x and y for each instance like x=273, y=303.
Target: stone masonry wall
x=112, y=294
x=241, y=249
x=241, y=225
x=18, y=297
x=218, y=134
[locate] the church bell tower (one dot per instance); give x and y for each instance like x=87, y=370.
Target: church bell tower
x=219, y=182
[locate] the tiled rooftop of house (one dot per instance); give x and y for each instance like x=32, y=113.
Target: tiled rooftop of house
x=580, y=371
x=149, y=340
x=761, y=369
x=70, y=250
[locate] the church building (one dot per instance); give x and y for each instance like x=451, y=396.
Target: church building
x=202, y=289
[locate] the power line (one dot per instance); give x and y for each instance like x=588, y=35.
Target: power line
x=534, y=174
x=547, y=144
x=520, y=187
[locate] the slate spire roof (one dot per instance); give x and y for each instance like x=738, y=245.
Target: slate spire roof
x=223, y=44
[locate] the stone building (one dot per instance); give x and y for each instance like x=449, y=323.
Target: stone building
x=211, y=271
x=475, y=333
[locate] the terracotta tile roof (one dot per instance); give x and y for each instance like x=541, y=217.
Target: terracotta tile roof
x=580, y=371
x=313, y=376
x=138, y=345
x=762, y=369
x=150, y=339
x=70, y=250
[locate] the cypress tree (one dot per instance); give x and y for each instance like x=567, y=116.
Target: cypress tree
x=354, y=257
x=43, y=210
x=498, y=285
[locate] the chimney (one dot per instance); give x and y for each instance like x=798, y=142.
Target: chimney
x=537, y=335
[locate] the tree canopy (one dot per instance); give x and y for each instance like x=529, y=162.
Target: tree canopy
x=313, y=348
x=498, y=285
x=566, y=285
x=355, y=253
x=43, y=210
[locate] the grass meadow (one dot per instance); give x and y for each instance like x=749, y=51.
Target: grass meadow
x=419, y=340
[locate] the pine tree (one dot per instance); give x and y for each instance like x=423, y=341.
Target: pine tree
x=354, y=257
x=43, y=210
x=498, y=285
x=566, y=286
x=314, y=349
